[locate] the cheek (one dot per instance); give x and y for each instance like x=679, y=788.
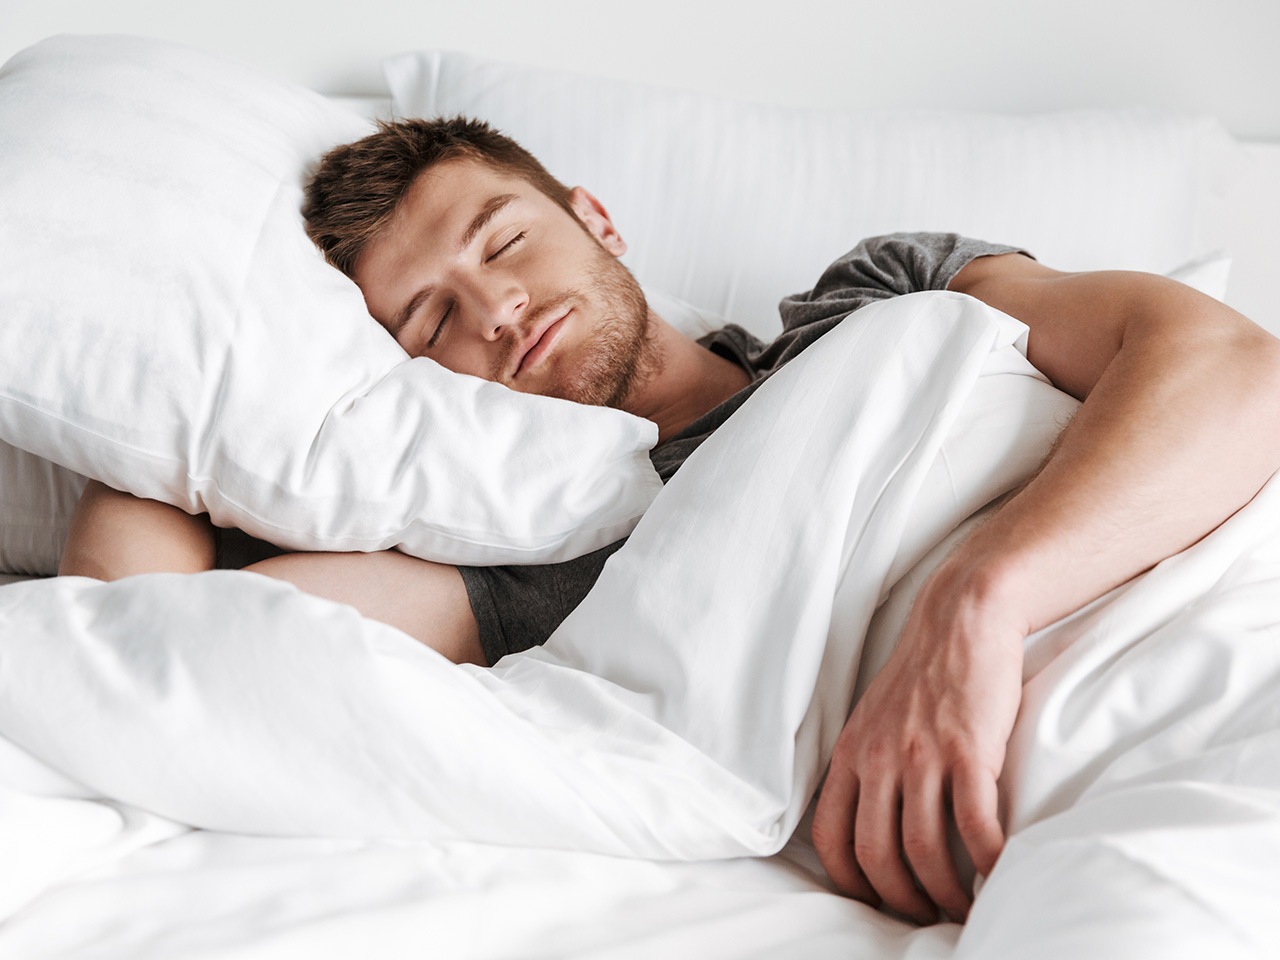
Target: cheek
x=561, y=261
x=462, y=358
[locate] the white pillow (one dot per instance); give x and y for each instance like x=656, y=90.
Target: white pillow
x=1208, y=273
x=169, y=329
x=37, y=498
x=685, y=317
x=731, y=206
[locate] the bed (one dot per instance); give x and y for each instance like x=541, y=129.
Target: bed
x=218, y=766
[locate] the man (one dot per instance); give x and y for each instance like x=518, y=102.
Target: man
x=470, y=253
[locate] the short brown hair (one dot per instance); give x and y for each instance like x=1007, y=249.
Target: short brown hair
x=358, y=186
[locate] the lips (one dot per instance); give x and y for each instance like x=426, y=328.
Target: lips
x=540, y=342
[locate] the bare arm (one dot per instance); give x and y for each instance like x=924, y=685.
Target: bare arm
x=1180, y=427
x=115, y=535
x=426, y=600
x=1178, y=431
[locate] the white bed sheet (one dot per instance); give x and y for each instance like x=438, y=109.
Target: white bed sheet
x=220, y=895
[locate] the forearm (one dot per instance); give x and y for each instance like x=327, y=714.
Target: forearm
x=426, y=600
x=1178, y=432
x=116, y=535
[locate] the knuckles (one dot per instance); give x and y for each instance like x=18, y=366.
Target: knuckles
x=830, y=837
x=872, y=854
x=918, y=846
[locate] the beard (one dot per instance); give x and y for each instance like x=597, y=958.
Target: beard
x=619, y=351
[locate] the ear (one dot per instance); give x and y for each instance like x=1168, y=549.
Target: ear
x=596, y=219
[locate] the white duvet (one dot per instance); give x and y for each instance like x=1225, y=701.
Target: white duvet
x=357, y=791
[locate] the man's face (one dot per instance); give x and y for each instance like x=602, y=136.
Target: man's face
x=486, y=275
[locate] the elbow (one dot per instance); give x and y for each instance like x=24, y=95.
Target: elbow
x=1255, y=368
x=1265, y=350
x=1241, y=352
x=1256, y=356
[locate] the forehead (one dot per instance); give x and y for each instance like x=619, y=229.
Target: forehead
x=436, y=210
x=455, y=187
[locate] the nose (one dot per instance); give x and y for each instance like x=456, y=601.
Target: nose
x=498, y=305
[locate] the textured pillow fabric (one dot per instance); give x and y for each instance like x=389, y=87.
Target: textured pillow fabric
x=732, y=206
x=169, y=329
x=37, y=498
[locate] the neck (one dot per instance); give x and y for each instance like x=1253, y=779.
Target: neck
x=680, y=381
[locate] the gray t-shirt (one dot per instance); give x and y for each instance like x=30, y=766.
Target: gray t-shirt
x=519, y=606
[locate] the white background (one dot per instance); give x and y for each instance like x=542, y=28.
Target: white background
x=1213, y=56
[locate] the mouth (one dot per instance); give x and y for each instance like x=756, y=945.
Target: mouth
x=540, y=342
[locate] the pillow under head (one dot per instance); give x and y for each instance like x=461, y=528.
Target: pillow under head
x=169, y=329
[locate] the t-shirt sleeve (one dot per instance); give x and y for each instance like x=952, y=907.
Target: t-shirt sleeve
x=519, y=606
x=883, y=267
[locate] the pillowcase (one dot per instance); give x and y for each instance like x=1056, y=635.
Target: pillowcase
x=685, y=317
x=170, y=330
x=1208, y=274
x=732, y=206
x=37, y=499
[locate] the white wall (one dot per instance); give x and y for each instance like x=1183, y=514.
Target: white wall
x=1213, y=56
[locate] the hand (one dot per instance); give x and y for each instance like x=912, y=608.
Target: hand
x=927, y=739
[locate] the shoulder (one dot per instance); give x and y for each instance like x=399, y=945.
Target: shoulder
x=990, y=269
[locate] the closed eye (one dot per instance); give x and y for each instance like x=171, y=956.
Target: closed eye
x=435, y=336
x=507, y=246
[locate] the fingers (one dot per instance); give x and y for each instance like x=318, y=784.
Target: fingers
x=863, y=829
x=924, y=841
x=876, y=844
x=833, y=835
x=975, y=804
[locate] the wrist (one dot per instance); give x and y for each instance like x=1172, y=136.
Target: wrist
x=971, y=589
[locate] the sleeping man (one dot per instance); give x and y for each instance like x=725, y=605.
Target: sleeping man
x=471, y=254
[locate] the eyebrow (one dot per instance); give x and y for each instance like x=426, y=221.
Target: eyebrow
x=492, y=207
x=406, y=313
